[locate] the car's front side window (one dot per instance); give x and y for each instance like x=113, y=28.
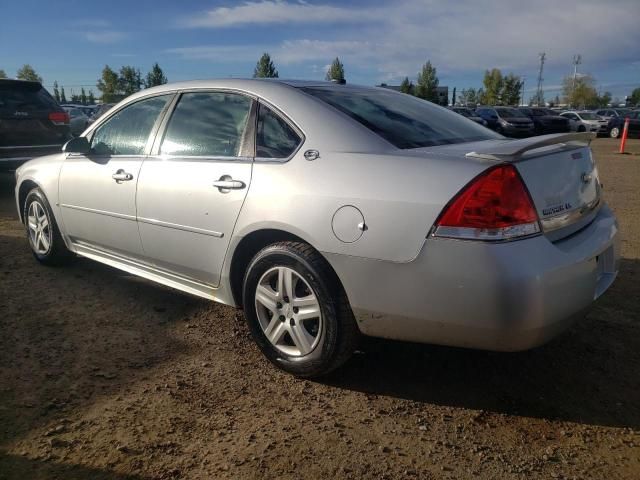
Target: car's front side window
x=275, y=138
x=207, y=124
x=127, y=132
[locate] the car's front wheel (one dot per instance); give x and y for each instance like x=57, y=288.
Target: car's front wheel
x=43, y=234
x=615, y=132
x=297, y=311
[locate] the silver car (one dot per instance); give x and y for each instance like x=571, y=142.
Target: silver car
x=327, y=211
x=78, y=120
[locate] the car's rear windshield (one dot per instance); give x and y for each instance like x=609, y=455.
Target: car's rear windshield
x=510, y=113
x=403, y=120
x=24, y=97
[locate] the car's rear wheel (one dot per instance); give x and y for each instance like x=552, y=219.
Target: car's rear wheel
x=297, y=311
x=43, y=234
x=615, y=132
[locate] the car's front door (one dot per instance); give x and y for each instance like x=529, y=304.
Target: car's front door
x=192, y=188
x=98, y=190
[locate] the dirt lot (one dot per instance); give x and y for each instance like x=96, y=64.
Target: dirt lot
x=106, y=376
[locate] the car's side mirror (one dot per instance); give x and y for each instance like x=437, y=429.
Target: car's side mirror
x=77, y=145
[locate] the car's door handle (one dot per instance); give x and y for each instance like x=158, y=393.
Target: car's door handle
x=226, y=183
x=122, y=176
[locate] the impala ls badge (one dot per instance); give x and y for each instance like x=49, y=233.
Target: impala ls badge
x=586, y=177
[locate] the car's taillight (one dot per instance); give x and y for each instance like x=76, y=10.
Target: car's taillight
x=494, y=206
x=59, y=118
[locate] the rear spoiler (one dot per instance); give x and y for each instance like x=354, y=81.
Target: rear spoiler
x=512, y=150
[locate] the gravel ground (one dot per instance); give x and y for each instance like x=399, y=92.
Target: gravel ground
x=107, y=376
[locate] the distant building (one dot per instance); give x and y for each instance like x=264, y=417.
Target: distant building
x=443, y=92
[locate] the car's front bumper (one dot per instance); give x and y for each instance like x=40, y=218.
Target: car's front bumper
x=497, y=296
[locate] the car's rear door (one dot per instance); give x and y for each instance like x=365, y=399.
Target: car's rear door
x=98, y=190
x=192, y=188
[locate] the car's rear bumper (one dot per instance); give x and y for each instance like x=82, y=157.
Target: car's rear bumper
x=508, y=296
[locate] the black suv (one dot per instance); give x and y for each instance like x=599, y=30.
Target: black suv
x=31, y=123
x=546, y=120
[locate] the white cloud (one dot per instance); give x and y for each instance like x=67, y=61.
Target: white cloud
x=278, y=11
x=395, y=39
x=105, y=36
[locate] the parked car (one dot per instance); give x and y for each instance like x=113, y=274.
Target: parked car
x=467, y=112
x=585, y=122
x=31, y=123
x=546, y=121
x=78, y=120
x=507, y=121
x=100, y=110
x=328, y=210
x=608, y=113
x=616, y=125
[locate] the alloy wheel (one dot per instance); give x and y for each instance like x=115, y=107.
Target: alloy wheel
x=288, y=311
x=615, y=131
x=39, y=228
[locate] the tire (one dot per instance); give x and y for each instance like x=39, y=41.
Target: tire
x=44, y=237
x=293, y=338
x=615, y=132
x=582, y=128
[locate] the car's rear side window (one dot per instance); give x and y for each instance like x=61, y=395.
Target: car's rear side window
x=127, y=132
x=207, y=124
x=25, y=97
x=403, y=120
x=275, y=138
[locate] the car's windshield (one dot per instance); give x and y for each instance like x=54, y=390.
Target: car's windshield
x=463, y=111
x=589, y=116
x=510, y=113
x=403, y=120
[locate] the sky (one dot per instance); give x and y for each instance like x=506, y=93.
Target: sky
x=378, y=41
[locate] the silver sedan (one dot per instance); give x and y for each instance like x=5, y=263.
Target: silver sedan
x=327, y=211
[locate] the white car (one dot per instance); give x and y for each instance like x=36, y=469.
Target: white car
x=585, y=122
x=78, y=121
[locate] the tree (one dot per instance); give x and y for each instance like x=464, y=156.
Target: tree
x=26, y=72
x=265, y=68
x=75, y=98
x=493, y=87
x=130, y=80
x=3, y=74
x=511, y=86
x=109, y=85
x=91, y=99
x=155, y=77
x=453, y=97
x=634, y=98
x=469, y=96
x=63, y=97
x=335, y=71
x=56, y=92
x=603, y=100
x=581, y=92
x=407, y=86
x=427, y=83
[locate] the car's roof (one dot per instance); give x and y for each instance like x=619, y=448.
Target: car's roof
x=262, y=84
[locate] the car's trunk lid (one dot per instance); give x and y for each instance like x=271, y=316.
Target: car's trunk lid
x=560, y=174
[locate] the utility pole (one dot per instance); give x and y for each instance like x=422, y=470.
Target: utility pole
x=577, y=60
x=539, y=94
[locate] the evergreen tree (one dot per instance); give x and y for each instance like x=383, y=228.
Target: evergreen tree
x=155, y=77
x=335, y=71
x=83, y=96
x=428, y=83
x=109, y=85
x=26, y=72
x=91, y=99
x=265, y=68
x=56, y=92
x=3, y=74
x=63, y=97
x=511, y=86
x=130, y=80
x=407, y=86
x=453, y=97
